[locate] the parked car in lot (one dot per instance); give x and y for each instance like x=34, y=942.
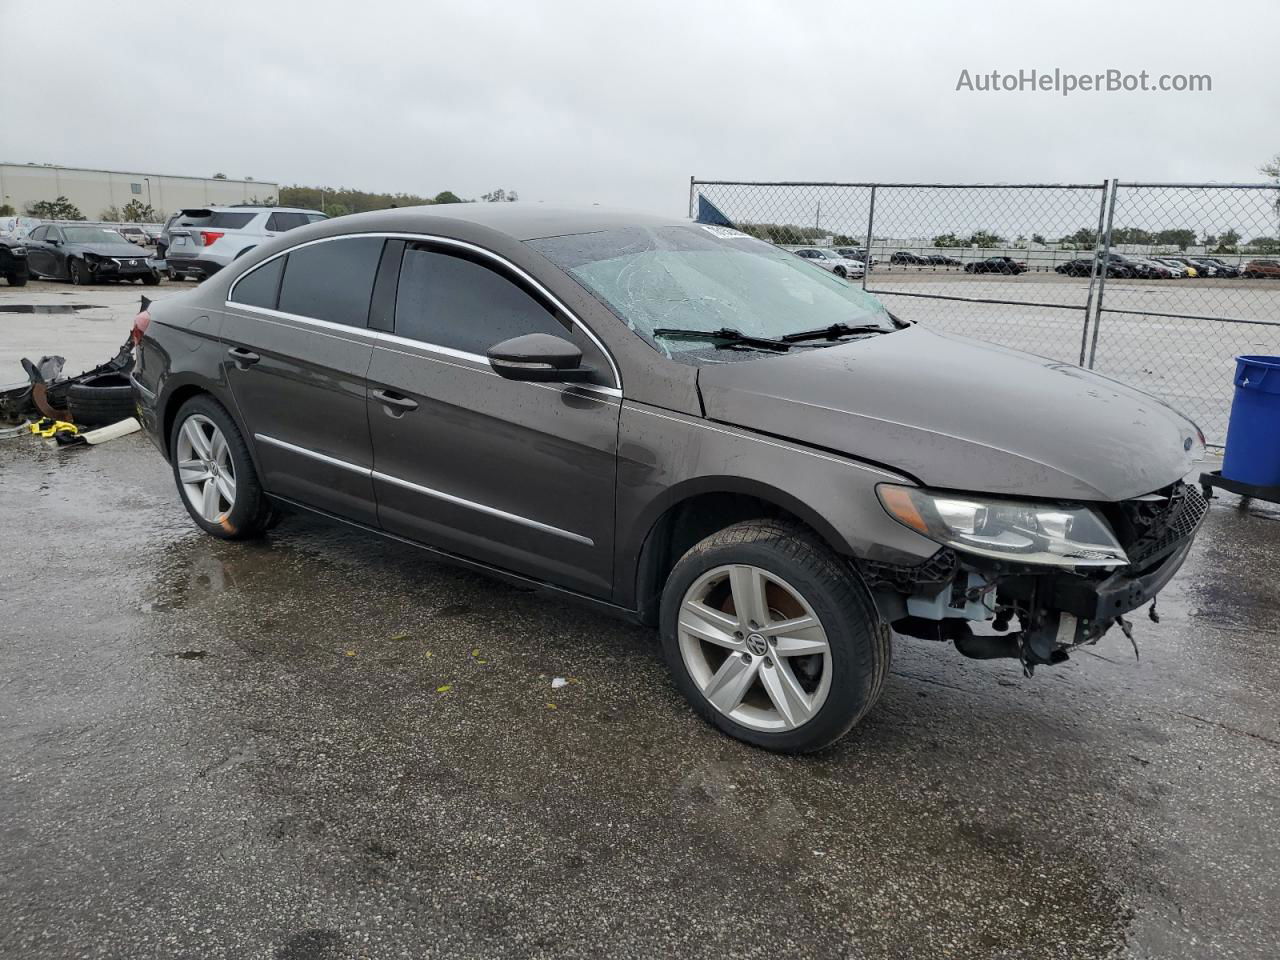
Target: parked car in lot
x=1177, y=270
x=1083, y=267
x=84, y=254
x=857, y=253
x=832, y=261
x=1260, y=269
x=678, y=424
x=1213, y=267
x=905, y=259
x=13, y=261
x=938, y=260
x=1005, y=265
x=201, y=241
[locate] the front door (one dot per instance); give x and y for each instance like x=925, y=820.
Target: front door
x=518, y=475
x=298, y=348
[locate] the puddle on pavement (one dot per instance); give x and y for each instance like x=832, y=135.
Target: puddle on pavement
x=42, y=308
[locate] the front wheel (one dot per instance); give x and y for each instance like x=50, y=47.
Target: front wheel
x=17, y=279
x=772, y=637
x=215, y=474
x=77, y=273
x=151, y=279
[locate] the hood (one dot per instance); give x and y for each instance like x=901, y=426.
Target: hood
x=961, y=414
x=110, y=249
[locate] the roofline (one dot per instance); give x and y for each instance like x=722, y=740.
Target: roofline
x=130, y=173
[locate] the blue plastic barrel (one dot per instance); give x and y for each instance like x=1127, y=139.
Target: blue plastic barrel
x=1253, y=435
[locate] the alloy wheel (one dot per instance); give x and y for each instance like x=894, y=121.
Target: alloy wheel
x=205, y=468
x=754, y=648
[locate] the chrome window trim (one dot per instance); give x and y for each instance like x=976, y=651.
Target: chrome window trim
x=427, y=491
x=448, y=242
x=379, y=336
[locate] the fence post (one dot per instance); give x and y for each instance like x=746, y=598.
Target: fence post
x=692, y=213
x=1102, y=280
x=1093, y=271
x=871, y=219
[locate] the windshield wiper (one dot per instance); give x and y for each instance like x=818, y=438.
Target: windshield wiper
x=727, y=335
x=834, y=332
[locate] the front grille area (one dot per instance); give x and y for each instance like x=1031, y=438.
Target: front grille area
x=1150, y=528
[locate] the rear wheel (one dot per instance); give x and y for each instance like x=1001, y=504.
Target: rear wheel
x=772, y=638
x=215, y=474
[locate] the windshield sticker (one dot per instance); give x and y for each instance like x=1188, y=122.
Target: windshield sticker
x=724, y=233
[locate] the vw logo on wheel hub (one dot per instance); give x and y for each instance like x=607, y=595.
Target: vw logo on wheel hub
x=757, y=645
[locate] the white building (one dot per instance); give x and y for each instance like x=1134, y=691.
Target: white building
x=93, y=191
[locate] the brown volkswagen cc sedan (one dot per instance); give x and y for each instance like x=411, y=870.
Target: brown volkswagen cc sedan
x=680, y=424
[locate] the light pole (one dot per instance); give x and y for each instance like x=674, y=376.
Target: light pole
x=148, y=182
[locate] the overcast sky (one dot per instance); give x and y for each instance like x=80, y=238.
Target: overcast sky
x=619, y=103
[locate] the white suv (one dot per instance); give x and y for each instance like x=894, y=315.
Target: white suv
x=201, y=241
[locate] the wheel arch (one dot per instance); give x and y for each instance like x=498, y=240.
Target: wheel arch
x=692, y=511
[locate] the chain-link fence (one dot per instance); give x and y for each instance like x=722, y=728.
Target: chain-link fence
x=1157, y=285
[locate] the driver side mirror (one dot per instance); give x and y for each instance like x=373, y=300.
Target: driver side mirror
x=539, y=358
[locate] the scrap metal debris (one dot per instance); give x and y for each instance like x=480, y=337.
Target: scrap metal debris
x=1126, y=628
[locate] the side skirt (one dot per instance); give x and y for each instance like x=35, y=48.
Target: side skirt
x=497, y=573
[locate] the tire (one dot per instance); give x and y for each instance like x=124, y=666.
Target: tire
x=16, y=279
x=250, y=512
x=842, y=273
x=151, y=279
x=100, y=400
x=77, y=274
x=802, y=578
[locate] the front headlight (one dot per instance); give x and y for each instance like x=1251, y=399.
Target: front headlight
x=1020, y=531
x=18, y=251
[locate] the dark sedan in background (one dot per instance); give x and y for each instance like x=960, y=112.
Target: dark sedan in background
x=13, y=261
x=1005, y=265
x=81, y=254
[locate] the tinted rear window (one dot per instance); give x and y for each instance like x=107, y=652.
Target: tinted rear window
x=332, y=280
x=231, y=221
x=260, y=287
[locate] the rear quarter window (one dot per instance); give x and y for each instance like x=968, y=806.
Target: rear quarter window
x=286, y=221
x=260, y=287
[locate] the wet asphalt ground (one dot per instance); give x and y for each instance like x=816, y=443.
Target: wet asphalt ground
x=322, y=745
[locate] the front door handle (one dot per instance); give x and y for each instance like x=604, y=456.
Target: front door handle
x=244, y=358
x=395, y=404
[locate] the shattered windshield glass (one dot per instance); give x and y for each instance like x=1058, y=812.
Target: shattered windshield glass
x=697, y=277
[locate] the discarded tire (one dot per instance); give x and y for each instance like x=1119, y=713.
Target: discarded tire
x=100, y=400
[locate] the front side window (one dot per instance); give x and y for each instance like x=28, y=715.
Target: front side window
x=697, y=277
x=260, y=287
x=453, y=302
x=332, y=280
x=40, y=233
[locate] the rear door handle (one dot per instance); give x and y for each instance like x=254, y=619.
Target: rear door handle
x=244, y=358
x=395, y=401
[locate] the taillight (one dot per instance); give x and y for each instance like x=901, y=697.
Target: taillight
x=207, y=237
x=140, y=324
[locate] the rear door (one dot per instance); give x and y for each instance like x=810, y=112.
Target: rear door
x=517, y=475
x=298, y=349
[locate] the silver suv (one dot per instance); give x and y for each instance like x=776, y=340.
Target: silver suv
x=201, y=241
